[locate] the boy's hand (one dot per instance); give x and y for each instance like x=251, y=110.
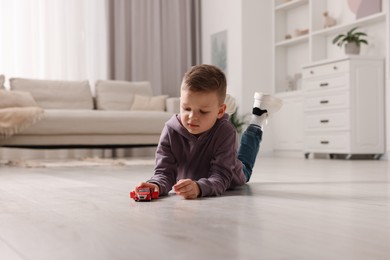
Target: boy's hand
x=187, y=188
x=148, y=185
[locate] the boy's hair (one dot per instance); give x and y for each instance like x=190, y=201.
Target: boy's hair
x=205, y=78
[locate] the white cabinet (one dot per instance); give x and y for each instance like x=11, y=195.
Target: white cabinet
x=288, y=123
x=344, y=106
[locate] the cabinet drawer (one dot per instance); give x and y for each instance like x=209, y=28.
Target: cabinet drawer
x=327, y=100
x=325, y=69
x=323, y=83
x=339, y=142
x=327, y=121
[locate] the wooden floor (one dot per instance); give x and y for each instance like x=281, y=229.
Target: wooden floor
x=291, y=209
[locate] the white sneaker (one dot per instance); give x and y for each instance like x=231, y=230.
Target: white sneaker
x=267, y=102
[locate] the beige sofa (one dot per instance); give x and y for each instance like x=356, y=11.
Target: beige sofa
x=122, y=114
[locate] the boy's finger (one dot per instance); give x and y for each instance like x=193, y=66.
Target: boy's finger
x=188, y=195
x=184, y=189
x=140, y=184
x=181, y=184
x=178, y=184
x=184, y=182
x=147, y=184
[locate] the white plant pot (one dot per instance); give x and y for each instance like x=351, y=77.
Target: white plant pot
x=352, y=48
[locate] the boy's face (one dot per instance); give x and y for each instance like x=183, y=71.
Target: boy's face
x=200, y=110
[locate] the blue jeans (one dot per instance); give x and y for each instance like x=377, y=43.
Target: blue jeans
x=249, y=147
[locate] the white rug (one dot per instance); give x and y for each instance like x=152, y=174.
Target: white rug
x=83, y=162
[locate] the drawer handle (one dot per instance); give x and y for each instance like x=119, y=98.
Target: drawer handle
x=324, y=142
x=324, y=121
x=324, y=101
x=335, y=68
x=324, y=84
x=311, y=72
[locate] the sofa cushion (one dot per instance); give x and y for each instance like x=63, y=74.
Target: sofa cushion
x=146, y=103
x=16, y=99
x=2, y=79
x=56, y=94
x=119, y=95
x=69, y=122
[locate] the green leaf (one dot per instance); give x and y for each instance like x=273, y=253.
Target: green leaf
x=237, y=122
x=360, y=34
x=337, y=38
x=352, y=30
x=363, y=41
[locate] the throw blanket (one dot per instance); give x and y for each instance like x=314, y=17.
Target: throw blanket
x=18, y=110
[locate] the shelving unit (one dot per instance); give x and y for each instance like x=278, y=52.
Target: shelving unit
x=292, y=42
x=290, y=55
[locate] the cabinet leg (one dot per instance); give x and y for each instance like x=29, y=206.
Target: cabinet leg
x=307, y=155
x=331, y=156
x=348, y=156
x=377, y=156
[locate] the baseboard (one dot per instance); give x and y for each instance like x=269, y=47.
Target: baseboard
x=289, y=154
x=300, y=154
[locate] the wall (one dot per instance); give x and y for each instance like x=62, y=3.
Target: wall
x=217, y=16
x=249, y=48
x=387, y=119
x=256, y=50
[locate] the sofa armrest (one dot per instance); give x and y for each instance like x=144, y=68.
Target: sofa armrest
x=173, y=105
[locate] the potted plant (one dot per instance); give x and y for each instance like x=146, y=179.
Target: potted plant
x=352, y=40
x=237, y=121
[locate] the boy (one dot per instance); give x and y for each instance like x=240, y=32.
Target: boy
x=197, y=153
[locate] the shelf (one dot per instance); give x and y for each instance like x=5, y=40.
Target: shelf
x=293, y=41
x=289, y=94
x=380, y=17
x=290, y=5
x=342, y=58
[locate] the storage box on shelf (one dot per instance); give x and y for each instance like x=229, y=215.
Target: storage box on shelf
x=344, y=106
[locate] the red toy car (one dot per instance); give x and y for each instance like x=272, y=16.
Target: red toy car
x=144, y=194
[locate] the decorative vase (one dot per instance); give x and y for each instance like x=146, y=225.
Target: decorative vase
x=352, y=48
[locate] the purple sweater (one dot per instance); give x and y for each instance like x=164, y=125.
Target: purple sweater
x=210, y=159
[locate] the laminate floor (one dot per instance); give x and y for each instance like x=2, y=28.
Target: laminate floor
x=291, y=209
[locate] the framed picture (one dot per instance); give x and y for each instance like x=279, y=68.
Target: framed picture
x=363, y=8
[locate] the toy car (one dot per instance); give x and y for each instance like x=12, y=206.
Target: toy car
x=144, y=194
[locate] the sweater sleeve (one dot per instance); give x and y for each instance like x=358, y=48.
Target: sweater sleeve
x=165, y=172
x=222, y=167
